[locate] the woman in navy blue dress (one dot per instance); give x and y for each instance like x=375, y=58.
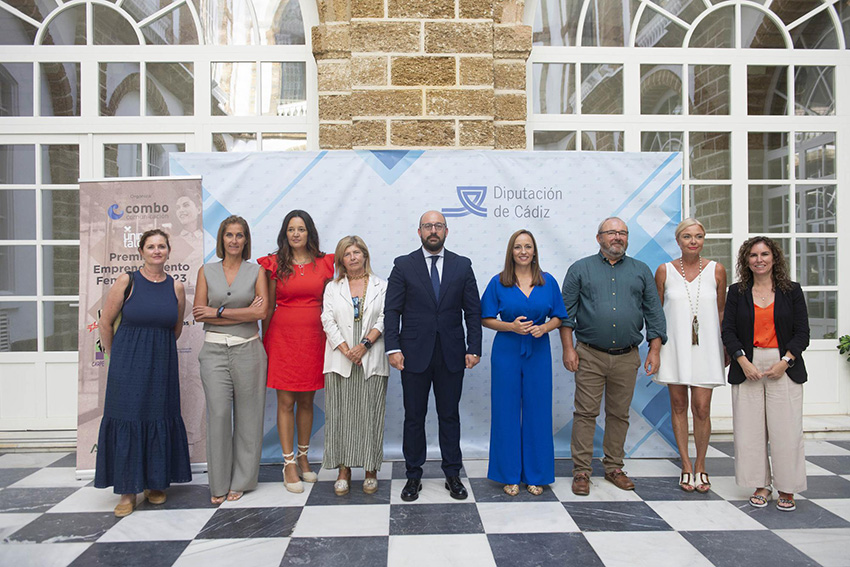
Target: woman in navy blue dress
x=142, y=446
x=522, y=304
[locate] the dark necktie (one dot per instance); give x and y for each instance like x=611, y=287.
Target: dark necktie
x=435, y=277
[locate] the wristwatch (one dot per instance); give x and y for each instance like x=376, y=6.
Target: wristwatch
x=219, y=312
x=739, y=353
x=366, y=343
x=789, y=361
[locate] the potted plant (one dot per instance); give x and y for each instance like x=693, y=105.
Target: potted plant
x=844, y=345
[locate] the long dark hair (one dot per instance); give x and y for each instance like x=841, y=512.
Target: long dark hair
x=780, y=266
x=284, y=252
x=508, y=276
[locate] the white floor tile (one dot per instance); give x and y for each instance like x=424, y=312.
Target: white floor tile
x=343, y=521
x=28, y=460
x=40, y=555
x=433, y=492
x=200, y=478
x=260, y=552
x=531, y=517
x=828, y=547
x=815, y=447
x=10, y=523
x=814, y=470
x=650, y=467
x=51, y=477
x=90, y=499
x=159, y=525
x=726, y=488
x=476, y=468
x=714, y=515
x=711, y=452
x=270, y=495
x=358, y=474
x=838, y=506
x=645, y=549
x=600, y=491
x=467, y=550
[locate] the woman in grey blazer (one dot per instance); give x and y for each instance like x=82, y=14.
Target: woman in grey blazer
x=356, y=367
x=231, y=297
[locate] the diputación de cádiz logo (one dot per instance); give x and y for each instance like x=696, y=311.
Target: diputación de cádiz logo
x=114, y=212
x=471, y=199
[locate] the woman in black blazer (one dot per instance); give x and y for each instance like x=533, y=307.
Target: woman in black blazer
x=766, y=330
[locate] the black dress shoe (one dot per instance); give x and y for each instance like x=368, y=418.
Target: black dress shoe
x=411, y=489
x=456, y=488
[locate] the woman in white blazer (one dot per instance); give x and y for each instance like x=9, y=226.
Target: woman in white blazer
x=356, y=367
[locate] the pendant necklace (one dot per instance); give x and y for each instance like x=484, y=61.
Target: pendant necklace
x=694, y=311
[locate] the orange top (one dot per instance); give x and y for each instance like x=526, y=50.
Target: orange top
x=764, y=330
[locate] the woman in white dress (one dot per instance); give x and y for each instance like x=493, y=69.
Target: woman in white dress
x=693, y=293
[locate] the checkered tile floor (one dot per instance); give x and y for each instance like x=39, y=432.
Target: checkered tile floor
x=49, y=518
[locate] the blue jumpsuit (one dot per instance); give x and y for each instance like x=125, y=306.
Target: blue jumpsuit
x=522, y=448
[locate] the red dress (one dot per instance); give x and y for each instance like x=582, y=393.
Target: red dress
x=295, y=341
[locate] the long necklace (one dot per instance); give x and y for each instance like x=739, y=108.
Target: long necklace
x=361, y=304
x=694, y=311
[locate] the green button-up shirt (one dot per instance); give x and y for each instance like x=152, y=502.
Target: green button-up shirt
x=608, y=304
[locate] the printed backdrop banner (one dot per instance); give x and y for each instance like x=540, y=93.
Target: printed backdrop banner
x=486, y=196
x=113, y=215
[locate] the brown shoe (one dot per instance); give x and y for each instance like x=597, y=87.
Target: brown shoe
x=155, y=496
x=619, y=479
x=125, y=509
x=581, y=484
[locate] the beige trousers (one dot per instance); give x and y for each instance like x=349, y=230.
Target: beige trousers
x=770, y=412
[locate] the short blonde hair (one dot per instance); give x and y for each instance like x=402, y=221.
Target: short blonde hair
x=219, y=241
x=342, y=246
x=688, y=223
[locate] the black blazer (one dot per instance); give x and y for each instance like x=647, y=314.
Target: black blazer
x=413, y=317
x=790, y=317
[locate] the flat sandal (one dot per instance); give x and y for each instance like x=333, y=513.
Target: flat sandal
x=686, y=481
x=511, y=489
x=704, y=484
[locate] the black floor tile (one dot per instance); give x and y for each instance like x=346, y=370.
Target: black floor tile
x=714, y=466
x=69, y=460
x=838, y=464
x=844, y=444
x=486, y=490
x=11, y=476
x=419, y=519
x=342, y=551
x=564, y=467
x=827, y=487
x=271, y=473
x=751, y=548
x=251, y=523
x=66, y=528
x=181, y=497
x=652, y=488
x=28, y=500
x=431, y=469
x=322, y=494
x=725, y=447
x=542, y=550
x=131, y=554
x=615, y=517
x=807, y=515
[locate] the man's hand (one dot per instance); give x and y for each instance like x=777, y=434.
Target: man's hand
x=472, y=360
x=570, y=358
x=653, y=362
x=397, y=361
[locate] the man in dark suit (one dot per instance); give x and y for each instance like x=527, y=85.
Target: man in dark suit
x=430, y=292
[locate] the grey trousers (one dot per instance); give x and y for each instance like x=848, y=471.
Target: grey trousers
x=234, y=379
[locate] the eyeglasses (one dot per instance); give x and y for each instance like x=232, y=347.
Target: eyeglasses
x=622, y=233
x=428, y=226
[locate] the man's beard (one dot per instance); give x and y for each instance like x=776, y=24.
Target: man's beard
x=432, y=246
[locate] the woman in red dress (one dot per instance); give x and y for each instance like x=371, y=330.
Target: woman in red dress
x=294, y=339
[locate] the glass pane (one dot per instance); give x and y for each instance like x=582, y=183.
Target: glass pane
x=816, y=208
x=60, y=325
x=284, y=89
x=557, y=141
x=602, y=141
x=686, y=10
x=816, y=261
x=768, y=208
x=720, y=250
x=67, y=28
x=174, y=28
x=122, y=160
x=61, y=270
x=171, y=89
x=661, y=141
x=710, y=155
x=661, y=89
x=815, y=157
x=158, y=157
x=758, y=30
x=710, y=89
x=818, y=32
x=19, y=317
x=607, y=23
x=119, y=89
x=17, y=214
x=234, y=142
x=15, y=30
x=555, y=23
x=111, y=28
x=768, y=155
x=228, y=22
x=767, y=90
x=554, y=88
x=601, y=88
x=657, y=30
x=284, y=141
x=60, y=89
x=843, y=10
x=15, y=88
x=814, y=91
x=823, y=314
x=17, y=164
x=284, y=23
x=60, y=214
x=17, y=270
x=234, y=89
x=716, y=30
x=789, y=12
x=60, y=164
x=712, y=205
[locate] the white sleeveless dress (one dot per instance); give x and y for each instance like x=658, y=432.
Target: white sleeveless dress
x=681, y=362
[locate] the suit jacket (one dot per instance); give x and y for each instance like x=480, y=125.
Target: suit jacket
x=790, y=318
x=338, y=322
x=413, y=316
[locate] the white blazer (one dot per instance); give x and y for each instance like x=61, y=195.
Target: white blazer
x=338, y=322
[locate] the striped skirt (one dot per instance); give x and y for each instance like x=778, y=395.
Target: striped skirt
x=354, y=419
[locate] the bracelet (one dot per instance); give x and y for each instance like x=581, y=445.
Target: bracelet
x=219, y=312
x=366, y=343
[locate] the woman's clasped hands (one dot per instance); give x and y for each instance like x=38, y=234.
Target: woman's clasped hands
x=775, y=372
x=523, y=326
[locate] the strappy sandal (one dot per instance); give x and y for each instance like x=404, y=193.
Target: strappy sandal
x=686, y=481
x=760, y=500
x=511, y=489
x=306, y=475
x=234, y=495
x=786, y=504
x=704, y=483
x=218, y=500
x=534, y=489
x=296, y=487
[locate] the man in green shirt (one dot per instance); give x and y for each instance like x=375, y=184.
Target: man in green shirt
x=609, y=296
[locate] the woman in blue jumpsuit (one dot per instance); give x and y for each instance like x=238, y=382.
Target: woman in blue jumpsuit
x=517, y=304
